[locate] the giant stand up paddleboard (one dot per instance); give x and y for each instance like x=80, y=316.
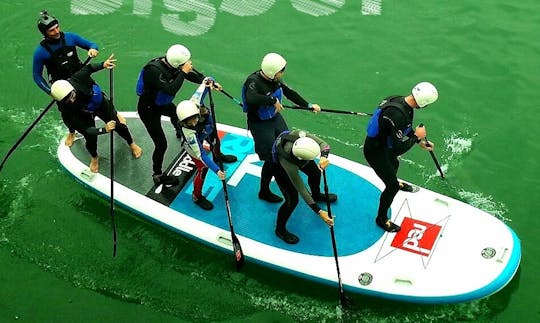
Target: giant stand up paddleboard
x=446, y=252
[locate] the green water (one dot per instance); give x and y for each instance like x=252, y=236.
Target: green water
x=55, y=236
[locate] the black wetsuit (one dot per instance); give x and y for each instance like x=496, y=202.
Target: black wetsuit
x=161, y=80
x=81, y=117
x=258, y=93
x=394, y=138
x=286, y=167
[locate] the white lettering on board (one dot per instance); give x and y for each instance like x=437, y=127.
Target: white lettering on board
x=196, y=17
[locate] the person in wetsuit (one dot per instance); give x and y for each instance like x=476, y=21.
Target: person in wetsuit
x=80, y=100
x=262, y=94
x=197, y=125
x=295, y=151
x=57, y=52
x=389, y=135
x=157, y=85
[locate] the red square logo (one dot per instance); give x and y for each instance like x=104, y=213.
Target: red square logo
x=416, y=236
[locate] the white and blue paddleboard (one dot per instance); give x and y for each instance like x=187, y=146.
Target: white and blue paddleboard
x=446, y=252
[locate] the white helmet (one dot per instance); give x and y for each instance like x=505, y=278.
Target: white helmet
x=186, y=109
x=177, y=55
x=272, y=63
x=305, y=148
x=424, y=93
x=60, y=89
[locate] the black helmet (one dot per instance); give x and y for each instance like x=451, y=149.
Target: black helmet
x=45, y=22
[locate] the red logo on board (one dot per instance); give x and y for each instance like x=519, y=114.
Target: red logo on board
x=416, y=236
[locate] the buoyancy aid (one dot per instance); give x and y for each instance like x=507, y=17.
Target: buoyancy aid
x=63, y=62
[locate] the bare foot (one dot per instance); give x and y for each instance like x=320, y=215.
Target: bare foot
x=69, y=139
x=94, y=165
x=136, y=150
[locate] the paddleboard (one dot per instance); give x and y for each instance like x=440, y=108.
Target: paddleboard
x=446, y=252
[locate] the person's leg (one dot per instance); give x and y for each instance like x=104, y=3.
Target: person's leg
x=169, y=110
x=71, y=134
x=311, y=169
x=217, y=155
x=81, y=123
x=267, y=172
x=151, y=118
x=198, y=183
x=291, y=201
x=107, y=112
x=385, y=166
x=264, y=135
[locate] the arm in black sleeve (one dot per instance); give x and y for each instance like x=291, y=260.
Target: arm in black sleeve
x=294, y=96
x=154, y=78
x=195, y=77
x=84, y=74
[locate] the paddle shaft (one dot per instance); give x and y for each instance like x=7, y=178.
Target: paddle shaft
x=297, y=107
x=433, y=155
x=342, y=297
x=111, y=147
x=27, y=131
x=237, y=248
x=225, y=92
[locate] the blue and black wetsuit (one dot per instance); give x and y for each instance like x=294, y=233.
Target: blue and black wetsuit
x=259, y=96
x=90, y=102
x=60, y=58
x=157, y=86
x=390, y=135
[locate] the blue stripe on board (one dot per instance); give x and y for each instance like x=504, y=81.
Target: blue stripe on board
x=355, y=210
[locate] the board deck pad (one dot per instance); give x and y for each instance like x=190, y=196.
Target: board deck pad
x=366, y=252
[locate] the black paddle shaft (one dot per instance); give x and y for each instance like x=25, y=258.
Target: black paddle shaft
x=111, y=146
x=297, y=107
x=237, y=248
x=433, y=155
x=345, y=302
x=225, y=93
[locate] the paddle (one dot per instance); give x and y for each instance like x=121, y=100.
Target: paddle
x=238, y=254
x=111, y=147
x=231, y=97
x=224, y=92
x=345, y=302
x=296, y=107
x=433, y=156
x=27, y=131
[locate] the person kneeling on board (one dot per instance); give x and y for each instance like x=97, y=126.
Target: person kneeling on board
x=80, y=99
x=389, y=135
x=295, y=151
x=197, y=125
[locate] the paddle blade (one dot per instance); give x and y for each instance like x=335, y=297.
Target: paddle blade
x=238, y=253
x=346, y=303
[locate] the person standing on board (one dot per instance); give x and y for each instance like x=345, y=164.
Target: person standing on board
x=197, y=125
x=295, y=151
x=158, y=83
x=57, y=52
x=262, y=94
x=389, y=135
x=80, y=99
